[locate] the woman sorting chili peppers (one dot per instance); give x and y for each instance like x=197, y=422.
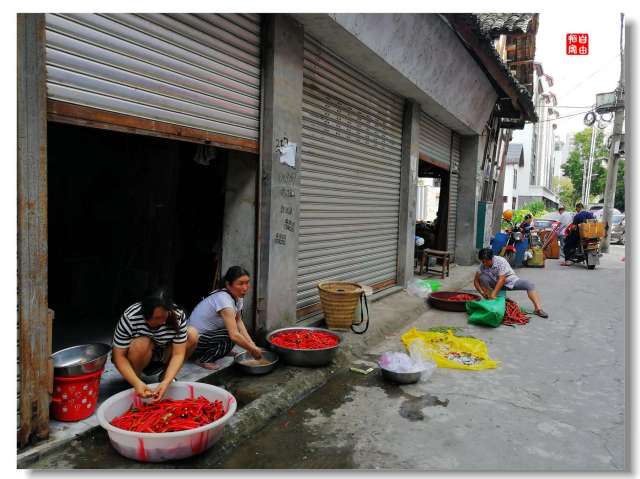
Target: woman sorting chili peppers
x=217, y=323
x=150, y=338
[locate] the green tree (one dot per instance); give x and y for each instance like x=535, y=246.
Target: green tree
x=566, y=192
x=573, y=168
x=535, y=208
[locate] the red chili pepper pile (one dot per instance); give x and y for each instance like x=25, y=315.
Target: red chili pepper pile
x=170, y=415
x=305, y=340
x=462, y=297
x=513, y=315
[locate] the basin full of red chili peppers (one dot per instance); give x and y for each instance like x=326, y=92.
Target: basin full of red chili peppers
x=187, y=421
x=304, y=346
x=452, y=300
x=170, y=415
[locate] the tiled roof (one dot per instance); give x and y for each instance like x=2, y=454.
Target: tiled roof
x=495, y=24
x=473, y=21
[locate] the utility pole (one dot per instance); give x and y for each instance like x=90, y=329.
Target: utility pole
x=587, y=187
x=585, y=167
x=614, y=157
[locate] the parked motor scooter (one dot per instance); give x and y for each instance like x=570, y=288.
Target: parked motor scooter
x=587, y=251
x=515, y=237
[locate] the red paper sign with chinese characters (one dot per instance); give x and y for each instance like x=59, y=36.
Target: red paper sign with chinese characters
x=577, y=43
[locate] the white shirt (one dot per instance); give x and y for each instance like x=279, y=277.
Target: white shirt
x=206, y=315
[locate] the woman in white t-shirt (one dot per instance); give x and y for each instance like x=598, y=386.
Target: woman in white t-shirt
x=217, y=321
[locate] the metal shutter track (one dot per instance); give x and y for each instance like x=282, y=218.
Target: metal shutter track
x=195, y=70
x=349, y=176
x=453, y=195
x=435, y=139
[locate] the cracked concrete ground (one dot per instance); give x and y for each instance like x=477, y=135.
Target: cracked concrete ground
x=556, y=402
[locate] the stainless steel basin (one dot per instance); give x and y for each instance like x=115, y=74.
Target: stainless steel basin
x=79, y=360
x=258, y=369
x=305, y=357
x=400, y=378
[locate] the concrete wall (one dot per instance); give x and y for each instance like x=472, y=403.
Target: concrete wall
x=280, y=183
x=239, y=224
x=408, y=181
x=417, y=56
x=472, y=148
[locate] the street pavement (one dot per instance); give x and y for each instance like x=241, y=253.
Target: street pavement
x=555, y=402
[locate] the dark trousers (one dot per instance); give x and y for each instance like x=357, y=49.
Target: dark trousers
x=570, y=244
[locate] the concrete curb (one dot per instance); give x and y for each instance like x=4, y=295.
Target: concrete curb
x=391, y=313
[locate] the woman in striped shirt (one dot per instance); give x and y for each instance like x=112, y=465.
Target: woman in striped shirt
x=150, y=337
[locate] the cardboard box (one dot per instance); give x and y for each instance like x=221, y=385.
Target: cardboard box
x=591, y=230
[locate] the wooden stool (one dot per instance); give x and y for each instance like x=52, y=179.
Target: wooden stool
x=443, y=255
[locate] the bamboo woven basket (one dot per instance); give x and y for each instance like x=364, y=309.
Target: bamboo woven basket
x=339, y=301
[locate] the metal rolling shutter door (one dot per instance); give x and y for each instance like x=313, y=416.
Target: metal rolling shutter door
x=453, y=194
x=435, y=140
x=350, y=177
x=195, y=70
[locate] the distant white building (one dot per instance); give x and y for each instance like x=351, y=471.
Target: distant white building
x=535, y=177
x=557, y=158
x=428, y=199
x=513, y=174
x=567, y=147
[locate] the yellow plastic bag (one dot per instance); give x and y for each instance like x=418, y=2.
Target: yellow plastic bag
x=439, y=347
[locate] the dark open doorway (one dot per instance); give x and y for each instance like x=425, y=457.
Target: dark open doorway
x=127, y=213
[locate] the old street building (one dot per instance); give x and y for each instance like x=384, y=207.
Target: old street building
x=163, y=148
x=539, y=141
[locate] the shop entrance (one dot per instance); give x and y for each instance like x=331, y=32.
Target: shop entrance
x=128, y=213
x=432, y=206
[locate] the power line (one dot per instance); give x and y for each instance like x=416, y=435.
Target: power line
x=566, y=116
x=564, y=106
x=605, y=65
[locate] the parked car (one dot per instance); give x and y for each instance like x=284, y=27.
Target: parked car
x=543, y=224
x=598, y=210
x=554, y=215
x=618, y=229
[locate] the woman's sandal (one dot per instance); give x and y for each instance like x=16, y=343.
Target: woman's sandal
x=541, y=313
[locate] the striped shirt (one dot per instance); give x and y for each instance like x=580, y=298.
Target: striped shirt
x=133, y=325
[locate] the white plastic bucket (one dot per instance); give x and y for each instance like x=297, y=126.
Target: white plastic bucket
x=158, y=447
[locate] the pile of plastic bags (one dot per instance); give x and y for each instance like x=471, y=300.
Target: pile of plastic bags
x=448, y=350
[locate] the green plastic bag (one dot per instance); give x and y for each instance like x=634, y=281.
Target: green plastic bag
x=487, y=312
x=432, y=283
